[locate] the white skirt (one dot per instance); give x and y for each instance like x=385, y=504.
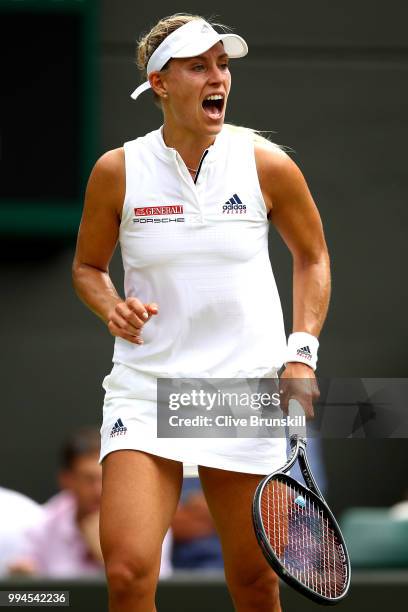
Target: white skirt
x=129, y=422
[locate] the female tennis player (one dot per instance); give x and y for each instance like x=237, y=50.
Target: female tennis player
x=190, y=204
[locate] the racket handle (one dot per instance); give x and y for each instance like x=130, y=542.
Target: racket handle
x=298, y=428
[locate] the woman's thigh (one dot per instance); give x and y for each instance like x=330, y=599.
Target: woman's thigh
x=229, y=496
x=140, y=493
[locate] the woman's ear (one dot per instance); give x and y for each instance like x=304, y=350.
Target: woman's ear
x=157, y=84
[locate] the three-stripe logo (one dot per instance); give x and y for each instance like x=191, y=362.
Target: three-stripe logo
x=304, y=352
x=234, y=206
x=119, y=429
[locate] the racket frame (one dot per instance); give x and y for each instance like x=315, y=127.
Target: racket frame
x=298, y=446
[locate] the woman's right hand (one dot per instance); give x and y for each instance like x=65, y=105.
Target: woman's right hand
x=127, y=318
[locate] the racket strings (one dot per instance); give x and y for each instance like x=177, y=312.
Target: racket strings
x=300, y=533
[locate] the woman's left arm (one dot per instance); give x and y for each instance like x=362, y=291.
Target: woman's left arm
x=293, y=212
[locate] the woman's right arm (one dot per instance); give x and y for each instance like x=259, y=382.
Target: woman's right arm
x=97, y=239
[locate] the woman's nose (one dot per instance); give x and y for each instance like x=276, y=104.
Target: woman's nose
x=216, y=75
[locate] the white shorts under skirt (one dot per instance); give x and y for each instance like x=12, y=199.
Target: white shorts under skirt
x=129, y=422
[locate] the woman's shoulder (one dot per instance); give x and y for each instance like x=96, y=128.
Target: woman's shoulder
x=278, y=173
x=272, y=160
x=111, y=161
x=112, y=164
x=107, y=179
x=109, y=168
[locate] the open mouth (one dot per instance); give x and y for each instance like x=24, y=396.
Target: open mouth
x=213, y=106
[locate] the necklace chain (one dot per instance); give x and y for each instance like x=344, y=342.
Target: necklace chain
x=192, y=169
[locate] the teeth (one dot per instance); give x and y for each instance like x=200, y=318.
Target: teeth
x=215, y=97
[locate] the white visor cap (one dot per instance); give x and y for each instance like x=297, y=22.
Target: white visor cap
x=191, y=39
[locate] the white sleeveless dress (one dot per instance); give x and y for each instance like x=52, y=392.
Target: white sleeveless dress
x=200, y=251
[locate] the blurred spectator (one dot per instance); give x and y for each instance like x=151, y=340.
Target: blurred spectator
x=399, y=511
x=65, y=540
x=17, y=514
x=195, y=542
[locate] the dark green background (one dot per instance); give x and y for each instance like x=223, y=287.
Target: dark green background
x=331, y=81
x=48, y=112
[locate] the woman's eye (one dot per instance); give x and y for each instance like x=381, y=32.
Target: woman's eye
x=224, y=66
x=198, y=67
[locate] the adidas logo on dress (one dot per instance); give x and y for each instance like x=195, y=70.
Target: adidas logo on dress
x=304, y=352
x=234, y=205
x=118, y=429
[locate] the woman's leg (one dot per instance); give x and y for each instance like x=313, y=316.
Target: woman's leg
x=140, y=493
x=253, y=585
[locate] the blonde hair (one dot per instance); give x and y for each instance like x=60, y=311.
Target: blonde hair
x=149, y=42
x=259, y=136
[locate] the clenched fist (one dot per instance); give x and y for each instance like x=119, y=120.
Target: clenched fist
x=127, y=318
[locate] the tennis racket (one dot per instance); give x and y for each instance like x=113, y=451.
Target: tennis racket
x=296, y=530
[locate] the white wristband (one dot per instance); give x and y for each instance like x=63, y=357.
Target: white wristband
x=302, y=347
